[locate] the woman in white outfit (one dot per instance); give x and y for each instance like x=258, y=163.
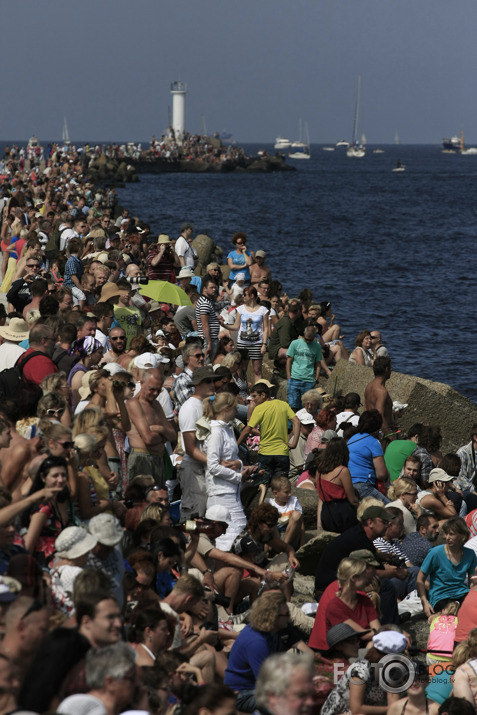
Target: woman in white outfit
x=223, y=483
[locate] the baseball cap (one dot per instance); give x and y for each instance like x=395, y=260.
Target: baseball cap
x=366, y=556
x=218, y=513
x=260, y=254
x=438, y=475
x=246, y=545
x=264, y=382
x=376, y=512
x=305, y=417
x=146, y=360
x=390, y=642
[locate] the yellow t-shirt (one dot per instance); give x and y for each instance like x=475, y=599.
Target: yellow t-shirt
x=272, y=416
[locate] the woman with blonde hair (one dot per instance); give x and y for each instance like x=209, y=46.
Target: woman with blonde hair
x=93, y=417
x=269, y=615
x=159, y=513
x=223, y=483
x=58, y=383
x=403, y=493
x=349, y=606
x=93, y=490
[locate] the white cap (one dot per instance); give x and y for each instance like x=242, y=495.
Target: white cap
x=146, y=360
x=113, y=368
x=305, y=417
x=218, y=513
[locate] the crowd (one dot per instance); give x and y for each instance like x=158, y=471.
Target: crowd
x=148, y=526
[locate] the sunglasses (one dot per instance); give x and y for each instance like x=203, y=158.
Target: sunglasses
x=33, y=265
x=57, y=413
x=119, y=337
x=66, y=445
x=198, y=356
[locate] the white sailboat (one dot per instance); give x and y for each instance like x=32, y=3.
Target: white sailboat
x=65, y=134
x=305, y=150
x=300, y=144
x=356, y=150
x=282, y=143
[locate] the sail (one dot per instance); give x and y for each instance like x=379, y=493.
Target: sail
x=65, y=134
x=356, y=112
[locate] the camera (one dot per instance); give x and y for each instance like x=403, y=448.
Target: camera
x=139, y=280
x=219, y=600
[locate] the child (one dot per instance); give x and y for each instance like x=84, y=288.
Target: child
x=88, y=286
x=74, y=270
x=290, y=524
x=440, y=644
x=237, y=287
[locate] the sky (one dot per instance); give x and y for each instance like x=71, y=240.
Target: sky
x=254, y=68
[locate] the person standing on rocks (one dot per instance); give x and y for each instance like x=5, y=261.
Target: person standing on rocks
x=376, y=396
x=184, y=248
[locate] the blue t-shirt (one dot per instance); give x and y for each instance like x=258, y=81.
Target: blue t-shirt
x=362, y=450
x=246, y=657
x=239, y=260
x=448, y=580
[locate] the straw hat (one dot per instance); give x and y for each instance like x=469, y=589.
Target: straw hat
x=16, y=331
x=106, y=528
x=111, y=290
x=85, y=390
x=163, y=238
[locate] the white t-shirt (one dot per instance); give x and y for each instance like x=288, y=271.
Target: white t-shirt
x=184, y=249
x=251, y=325
x=166, y=403
x=9, y=354
x=292, y=505
x=189, y=413
x=66, y=236
x=347, y=418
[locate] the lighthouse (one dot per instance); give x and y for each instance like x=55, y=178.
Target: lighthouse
x=178, y=91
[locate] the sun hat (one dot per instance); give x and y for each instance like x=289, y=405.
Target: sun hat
x=163, y=238
x=186, y=273
x=341, y=632
x=203, y=373
x=9, y=589
x=85, y=390
x=106, y=528
x=239, y=277
x=328, y=435
x=261, y=254
x=186, y=225
x=218, y=513
x=376, y=512
x=438, y=475
x=365, y=555
x=305, y=417
x=16, y=331
x=111, y=290
x=154, y=305
x=212, y=265
x=390, y=642
x=146, y=360
x=73, y=542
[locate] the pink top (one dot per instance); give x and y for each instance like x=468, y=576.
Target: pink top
x=441, y=637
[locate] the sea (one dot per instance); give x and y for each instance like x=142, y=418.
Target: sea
x=390, y=251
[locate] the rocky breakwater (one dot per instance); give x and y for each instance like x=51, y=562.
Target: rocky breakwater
x=103, y=169
x=264, y=165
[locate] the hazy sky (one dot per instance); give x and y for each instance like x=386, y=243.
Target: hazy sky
x=253, y=68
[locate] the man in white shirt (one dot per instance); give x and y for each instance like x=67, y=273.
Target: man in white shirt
x=350, y=415
x=184, y=249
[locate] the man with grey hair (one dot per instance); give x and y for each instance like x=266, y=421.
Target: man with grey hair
x=42, y=344
x=192, y=357
x=111, y=678
x=285, y=685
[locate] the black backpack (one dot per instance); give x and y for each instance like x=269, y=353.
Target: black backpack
x=12, y=377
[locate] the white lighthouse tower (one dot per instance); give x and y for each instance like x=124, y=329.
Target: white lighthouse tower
x=178, y=91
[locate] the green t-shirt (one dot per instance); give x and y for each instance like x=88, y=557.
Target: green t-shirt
x=304, y=355
x=272, y=416
x=396, y=454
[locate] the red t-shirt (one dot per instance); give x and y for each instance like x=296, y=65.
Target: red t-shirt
x=38, y=367
x=324, y=621
x=467, y=618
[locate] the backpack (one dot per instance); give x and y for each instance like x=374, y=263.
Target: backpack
x=12, y=377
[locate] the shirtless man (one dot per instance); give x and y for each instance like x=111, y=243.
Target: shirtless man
x=258, y=270
x=16, y=452
x=149, y=429
x=376, y=396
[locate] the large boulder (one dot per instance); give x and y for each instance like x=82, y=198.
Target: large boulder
x=205, y=247
x=428, y=401
x=310, y=553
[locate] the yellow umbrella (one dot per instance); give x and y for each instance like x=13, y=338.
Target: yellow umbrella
x=165, y=292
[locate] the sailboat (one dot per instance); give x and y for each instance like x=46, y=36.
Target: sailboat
x=65, y=135
x=356, y=150
x=300, y=144
x=305, y=151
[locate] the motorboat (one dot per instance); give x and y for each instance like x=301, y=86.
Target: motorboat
x=452, y=144
x=328, y=148
x=342, y=142
x=356, y=150
x=378, y=151
x=282, y=143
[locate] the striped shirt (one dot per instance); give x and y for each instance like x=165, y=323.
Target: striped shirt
x=205, y=306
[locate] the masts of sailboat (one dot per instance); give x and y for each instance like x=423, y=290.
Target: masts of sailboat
x=356, y=150
x=65, y=133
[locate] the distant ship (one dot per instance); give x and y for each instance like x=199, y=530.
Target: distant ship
x=452, y=144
